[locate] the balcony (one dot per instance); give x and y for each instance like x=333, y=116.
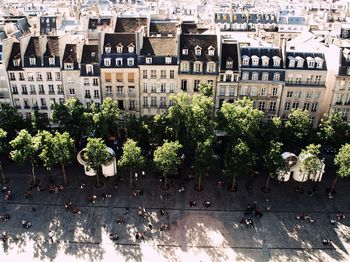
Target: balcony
x=15, y=92
x=306, y=83
x=131, y=94
x=60, y=92
x=18, y=107
x=96, y=97
x=88, y=96
x=32, y=92
x=35, y=107
x=43, y=107
x=21, y=79
x=338, y=103
x=41, y=92
x=25, y=93
x=120, y=94
x=109, y=94
x=26, y=107
x=51, y=92
x=12, y=79
x=30, y=78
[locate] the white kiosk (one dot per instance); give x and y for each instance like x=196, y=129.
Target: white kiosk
x=110, y=169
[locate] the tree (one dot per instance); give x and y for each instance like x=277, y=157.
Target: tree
x=131, y=158
x=238, y=159
x=206, y=89
x=26, y=148
x=11, y=121
x=166, y=159
x=46, y=155
x=96, y=155
x=297, y=128
x=310, y=163
x=3, y=150
x=203, y=159
x=342, y=161
x=274, y=161
x=72, y=118
x=105, y=117
x=39, y=121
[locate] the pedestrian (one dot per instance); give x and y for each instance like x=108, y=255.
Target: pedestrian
x=143, y=173
x=28, y=195
x=207, y=204
x=50, y=236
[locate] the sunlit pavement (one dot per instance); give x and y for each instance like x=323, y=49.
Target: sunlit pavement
x=194, y=234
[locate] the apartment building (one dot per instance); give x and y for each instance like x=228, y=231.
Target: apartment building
x=306, y=73
x=199, y=61
x=119, y=71
x=5, y=96
x=34, y=74
x=90, y=75
x=262, y=78
x=227, y=83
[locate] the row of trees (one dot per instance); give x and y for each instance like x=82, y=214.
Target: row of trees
x=188, y=128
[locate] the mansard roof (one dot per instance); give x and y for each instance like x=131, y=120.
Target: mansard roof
x=114, y=39
x=190, y=42
x=229, y=52
x=15, y=54
x=260, y=52
x=90, y=54
x=130, y=24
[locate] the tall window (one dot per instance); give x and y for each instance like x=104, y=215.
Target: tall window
x=172, y=74
x=153, y=74
x=211, y=67
x=184, y=85
x=144, y=74
x=197, y=67
x=196, y=85
x=162, y=74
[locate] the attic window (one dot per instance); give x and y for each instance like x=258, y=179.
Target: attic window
x=107, y=62
x=211, y=51
x=198, y=50
x=89, y=69
x=229, y=64
x=108, y=49
x=185, y=51
x=291, y=61
x=148, y=60
x=32, y=61
x=319, y=64
x=255, y=60
x=131, y=49
x=51, y=60
x=276, y=61
x=93, y=54
x=168, y=60
x=265, y=61
x=119, y=49
x=310, y=62
x=245, y=60
x=16, y=62
x=68, y=65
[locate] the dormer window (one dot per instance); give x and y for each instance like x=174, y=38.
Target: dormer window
x=198, y=50
x=89, y=69
x=130, y=61
x=276, y=61
x=255, y=60
x=185, y=51
x=211, y=67
x=52, y=60
x=108, y=49
x=16, y=62
x=265, y=76
x=346, y=53
x=291, y=61
x=184, y=67
x=168, y=60
x=68, y=66
x=119, y=48
x=300, y=62
x=107, y=61
x=310, y=62
x=319, y=62
x=197, y=67
x=119, y=62
x=148, y=60
x=245, y=60
x=276, y=76
x=229, y=64
x=348, y=70
x=93, y=54
x=265, y=60
x=32, y=61
x=211, y=51
x=131, y=48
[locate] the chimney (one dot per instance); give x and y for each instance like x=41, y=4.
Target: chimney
x=283, y=46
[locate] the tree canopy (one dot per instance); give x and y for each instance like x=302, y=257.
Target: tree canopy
x=166, y=157
x=342, y=161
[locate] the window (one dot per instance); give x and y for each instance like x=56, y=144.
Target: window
x=130, y=61
x=32, y=89
x=108, y=49
x=153, y=101
x=253, y=91
x=263, y=91
x=272, y=107
x=87, y=94
x=255, y=60
x=162, y=102
x=319, y=64
x=154, y=88
x=168, y=60
x=24, y=90
x=131, y=104
x=131, y=48
x=51, y=61
x=131, y=89
x=290, y=94
x=51, y=90
x=211, y=52
x=245, y=76
x=311, y=63
x=119, y=77
x=162, y=74
x=314, y=107
x=57, y=76
x=229, y=64
x=148, y=60
x=86, y=82
x=119, y=62
x=48, y=76
x=308, y=95
x=185, y=51
x=95, y=81
x=59, y=89
x=274, y=91
x=291, y=62
x=12, y=76
x=39, y=77
x=184, y=66
x=231, y=91
x=119, y=49
x=198, y=51
x=262, y=105
x=21, y=76
x=196, y=85
x=295, y=105
x=276, y=76
x=222, y=90
x=265, y=76
x=228, y=78
x=306, y=106
x=131, y=77
x=32, y=61
x=96, y=94
x=243, y=91
x=197, y=67
x=265, y=61
x=108, y=90
x=89, y=69
x=245, y=60
x=171, y=87
x=144, y=74
x=287, y=106
x=153, y=74
x=297, y=94
x=211, y=67
x=68, y=66
x=184, y=85
x=107, y=61
x=255, y=76
x=172, y=74
x=120, y=90
x=71, y=91
x=30, y=77
x=276, y=61
x=317, y=79
x=16, y=62
x=145, y=87
x=145, y=101
x=300, y=63
x=317, y=95
x=348, y=70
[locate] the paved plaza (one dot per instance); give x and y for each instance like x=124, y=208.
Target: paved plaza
x=194, y=234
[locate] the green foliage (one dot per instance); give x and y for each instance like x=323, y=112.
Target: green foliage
x=11, y=121
x=39, y=121
x=25, y=147
x=297, y=128
x=203, y=156
x=238, y=159
x=342, y=161
x=96, y=153
x=206, y=89
x=310, y=163
x=3, y=142
x=166, y=157
x=105, y=117
x=71, y=117
x=47, y=154
x=132, y=156
x=273, y=159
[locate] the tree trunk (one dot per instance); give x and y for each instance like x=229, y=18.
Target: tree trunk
x=333, y=185
x=33, y=173
x=97, y=177
x=64, y=174
x=301, y=183
x=233, y=183
x=267, y=183
x=199, y=182
x=130, y=177
x=165, y=181
x=2, y=174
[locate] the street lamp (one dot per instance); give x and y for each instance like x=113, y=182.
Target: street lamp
x=49, y=172
x=183, y=157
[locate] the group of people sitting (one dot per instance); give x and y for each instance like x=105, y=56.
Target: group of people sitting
x=5, y=217
x=339, y=216
x=251, y=211
x=26, y=224
x=69, y=207
x=8, y=195
x=55, y=189
x=306, y=217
